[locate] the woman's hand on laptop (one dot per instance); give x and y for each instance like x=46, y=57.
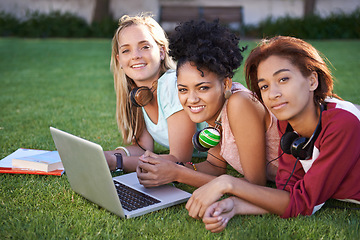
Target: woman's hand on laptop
x=154, y=170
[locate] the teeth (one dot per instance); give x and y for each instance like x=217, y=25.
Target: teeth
x=138, y=65
x=197, y=108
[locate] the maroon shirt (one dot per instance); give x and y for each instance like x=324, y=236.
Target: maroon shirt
x=334, y=169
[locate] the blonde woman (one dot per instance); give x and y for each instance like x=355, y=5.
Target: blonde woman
x=147, y=105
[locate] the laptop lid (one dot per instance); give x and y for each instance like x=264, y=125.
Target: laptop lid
x=89, y=175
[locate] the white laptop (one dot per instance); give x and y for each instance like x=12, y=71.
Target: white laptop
x=89, y=175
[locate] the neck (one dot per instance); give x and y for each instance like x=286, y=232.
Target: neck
x=305, y=126
x=217, y=121
x=150, y=82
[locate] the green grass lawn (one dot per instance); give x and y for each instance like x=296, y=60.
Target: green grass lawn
x=67, y=84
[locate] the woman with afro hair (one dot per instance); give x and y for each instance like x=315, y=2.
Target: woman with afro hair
x=207, y=56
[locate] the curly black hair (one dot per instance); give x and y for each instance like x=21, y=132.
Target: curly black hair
x=208, y=45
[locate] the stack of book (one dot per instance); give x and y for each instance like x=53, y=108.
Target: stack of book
x=31, y=161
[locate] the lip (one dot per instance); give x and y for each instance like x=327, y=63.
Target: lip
x=278, y=106
x=196, y=109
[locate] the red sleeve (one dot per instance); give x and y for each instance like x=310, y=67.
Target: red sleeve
x=333, y=174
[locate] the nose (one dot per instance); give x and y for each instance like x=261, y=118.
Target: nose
x=136, y=54
x=192, y=97
x=274, y=91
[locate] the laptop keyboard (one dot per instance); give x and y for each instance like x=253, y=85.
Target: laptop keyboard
x=132, y=199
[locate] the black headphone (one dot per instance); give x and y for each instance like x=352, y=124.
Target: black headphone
x=300, y=147
x=201, y=139
x=140, y=96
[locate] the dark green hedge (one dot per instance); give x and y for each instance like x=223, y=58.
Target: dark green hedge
x=335, y=26
x=56, y=24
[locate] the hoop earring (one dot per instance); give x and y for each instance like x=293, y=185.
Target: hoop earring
x=227, y=94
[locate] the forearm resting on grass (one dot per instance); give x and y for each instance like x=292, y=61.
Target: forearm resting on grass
x=269, y=199
x=218, y=214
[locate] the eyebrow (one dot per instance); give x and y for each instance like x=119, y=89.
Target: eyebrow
x=181, y=85
x=141, y=42
x=276, y=73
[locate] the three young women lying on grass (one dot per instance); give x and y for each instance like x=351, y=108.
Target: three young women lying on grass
x=319, y=131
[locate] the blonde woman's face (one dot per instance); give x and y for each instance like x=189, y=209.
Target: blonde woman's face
x=139, y=55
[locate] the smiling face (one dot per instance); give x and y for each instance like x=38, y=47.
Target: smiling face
x=284, y=90
x=201, y=97
x=139, y=55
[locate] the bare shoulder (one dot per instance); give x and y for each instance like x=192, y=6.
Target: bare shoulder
x=245, y=101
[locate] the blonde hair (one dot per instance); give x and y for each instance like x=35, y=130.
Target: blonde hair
x=130, y=119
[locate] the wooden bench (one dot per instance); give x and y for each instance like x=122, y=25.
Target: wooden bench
x=171, y=15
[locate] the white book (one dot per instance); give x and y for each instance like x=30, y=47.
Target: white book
x=46, y=162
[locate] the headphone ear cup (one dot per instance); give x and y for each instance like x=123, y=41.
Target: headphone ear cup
x=297, y=148
x=196, y=142
x=132, y=97
x=141, y=96
x=207, y=138
x=300, y=147
x=287, y=140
